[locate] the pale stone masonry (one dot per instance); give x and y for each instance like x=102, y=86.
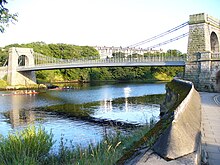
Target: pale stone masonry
x=203, y=61
x=18, y=78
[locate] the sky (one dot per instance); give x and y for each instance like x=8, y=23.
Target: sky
x=103, y=22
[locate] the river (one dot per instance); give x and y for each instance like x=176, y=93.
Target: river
x=117, y=102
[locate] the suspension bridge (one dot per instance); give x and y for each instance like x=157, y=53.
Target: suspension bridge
x=202, y=59
x=42, y=62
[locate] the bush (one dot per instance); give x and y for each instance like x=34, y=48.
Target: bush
x=29, y=146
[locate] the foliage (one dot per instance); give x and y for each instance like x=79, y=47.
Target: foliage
x=108, y=151
x=5, y=16
x=3, y=83
x=26, y=147
x=3, y=57
x=32, y=146
x=49, y=76
x=118, y=55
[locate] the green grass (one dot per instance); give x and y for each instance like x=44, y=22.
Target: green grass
x=26, y=147
x=107, y=152
x=33, y=146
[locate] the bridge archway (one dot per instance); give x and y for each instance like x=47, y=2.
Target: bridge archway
x=23, y=60
x=20, y=57
x=214, y=42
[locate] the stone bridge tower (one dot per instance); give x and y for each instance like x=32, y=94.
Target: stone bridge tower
x=203, y=65
x=20, y=57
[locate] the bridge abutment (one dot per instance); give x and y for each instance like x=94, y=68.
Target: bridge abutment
x=203, y=61
x=20, y=57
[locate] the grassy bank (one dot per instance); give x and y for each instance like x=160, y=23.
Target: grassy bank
x=33, y=146
x=27, y=147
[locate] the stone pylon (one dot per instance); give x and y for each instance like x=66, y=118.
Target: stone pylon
x=203, y=61
x=20, y=57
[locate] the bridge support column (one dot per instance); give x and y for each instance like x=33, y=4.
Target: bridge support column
x=203, y=52
x=20, y=57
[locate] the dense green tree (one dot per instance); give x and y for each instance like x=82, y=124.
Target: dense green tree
x=5, y=16
x=3, y=57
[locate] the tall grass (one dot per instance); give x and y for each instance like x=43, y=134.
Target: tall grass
x=29, y=146
x=32, y=146
x=106, y=152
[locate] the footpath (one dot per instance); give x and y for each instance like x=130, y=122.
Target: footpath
x=210, y=128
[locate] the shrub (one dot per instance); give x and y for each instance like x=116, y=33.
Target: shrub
x=29, y=146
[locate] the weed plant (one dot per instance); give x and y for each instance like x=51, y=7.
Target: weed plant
x=33, y=146
x=29, y=146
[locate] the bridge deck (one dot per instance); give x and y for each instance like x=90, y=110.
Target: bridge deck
x=117, y=62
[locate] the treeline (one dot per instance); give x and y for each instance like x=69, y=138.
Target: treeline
x=67, y=51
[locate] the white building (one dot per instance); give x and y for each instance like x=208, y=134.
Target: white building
x=105, y=51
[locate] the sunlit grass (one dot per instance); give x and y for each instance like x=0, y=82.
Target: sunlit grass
x=26, y=147
x=33, y=146
x=107, y=152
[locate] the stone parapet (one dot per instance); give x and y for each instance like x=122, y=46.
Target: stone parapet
x=182, y=136
x=197, y=18
x=203, y=18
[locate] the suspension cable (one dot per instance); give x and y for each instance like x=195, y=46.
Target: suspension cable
x=160, y=35
x=5, y=63
x=168, y=41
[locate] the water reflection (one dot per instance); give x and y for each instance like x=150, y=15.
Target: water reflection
x=18, y=116
x=127, y=91
x=107, y=104
x=127, y=110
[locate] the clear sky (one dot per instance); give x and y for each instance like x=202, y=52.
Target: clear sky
x=102, y=22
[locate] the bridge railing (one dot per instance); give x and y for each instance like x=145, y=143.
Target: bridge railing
x=215, y=56
x=41, y=60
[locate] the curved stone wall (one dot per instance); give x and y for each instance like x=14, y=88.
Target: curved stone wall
x=182, y=136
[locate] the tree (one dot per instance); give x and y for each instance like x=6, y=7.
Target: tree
x=5, y=16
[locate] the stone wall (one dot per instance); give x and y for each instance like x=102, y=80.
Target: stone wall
x=182, y=136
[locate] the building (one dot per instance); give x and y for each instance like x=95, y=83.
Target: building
x=106, y=52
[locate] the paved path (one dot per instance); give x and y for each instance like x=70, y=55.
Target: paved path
x=210, y=127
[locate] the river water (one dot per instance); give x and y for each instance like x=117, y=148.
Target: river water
x=118, y=102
